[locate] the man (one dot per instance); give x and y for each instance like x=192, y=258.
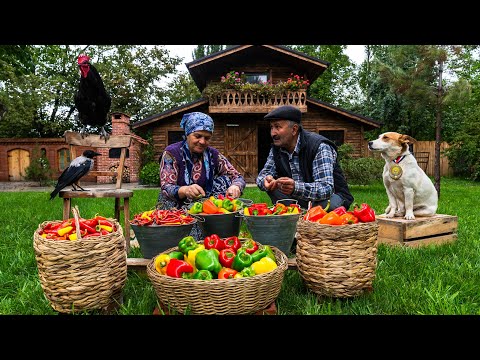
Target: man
x=302, y=165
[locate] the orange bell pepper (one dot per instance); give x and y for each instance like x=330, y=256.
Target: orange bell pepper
x=331, y=218
x=316, y=213
x=348, y=218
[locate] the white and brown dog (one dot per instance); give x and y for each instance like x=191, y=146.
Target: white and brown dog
x=410, y=191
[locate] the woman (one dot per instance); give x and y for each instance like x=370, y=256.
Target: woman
x=191, y=169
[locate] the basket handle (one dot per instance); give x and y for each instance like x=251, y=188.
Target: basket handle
x=76, y=215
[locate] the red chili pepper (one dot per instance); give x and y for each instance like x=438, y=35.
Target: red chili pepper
x=84, y=226
x=213, y=242
x=226, y=257
x=176, y=268
x=365, y=213
x=233, y=243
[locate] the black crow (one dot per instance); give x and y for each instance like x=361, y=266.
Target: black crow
x=79, y=167
x=91, y=99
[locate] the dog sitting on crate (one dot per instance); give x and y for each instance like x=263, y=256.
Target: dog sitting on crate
x=410, y=191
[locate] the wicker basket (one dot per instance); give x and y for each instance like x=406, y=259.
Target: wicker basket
x=219, y=296
x=84, y=274
x=337, y=261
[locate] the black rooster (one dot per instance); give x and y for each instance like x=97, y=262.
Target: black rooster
x=79, y=167
x=91, y=100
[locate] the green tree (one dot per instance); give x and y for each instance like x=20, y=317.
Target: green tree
x=337, y=84
x=41, y=103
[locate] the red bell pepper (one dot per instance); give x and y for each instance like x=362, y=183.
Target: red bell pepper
x=176, y=268
x=364, y=213
x=233, y=243
x=213, y=242
x=340, y=210
x=250, y=246
x=227, y=273
x=226, y=257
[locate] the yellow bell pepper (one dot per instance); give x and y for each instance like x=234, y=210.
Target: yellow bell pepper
x=191, y=254
x=161, y=262
x=263, y=265
x=295, y=211
x=245, y=211
x=225, y=211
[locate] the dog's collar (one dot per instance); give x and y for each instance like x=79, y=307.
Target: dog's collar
x=398, y=159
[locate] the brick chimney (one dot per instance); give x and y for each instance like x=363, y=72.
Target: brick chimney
x=120, y=124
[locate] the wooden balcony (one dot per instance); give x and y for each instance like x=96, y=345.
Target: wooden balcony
x=235, y=101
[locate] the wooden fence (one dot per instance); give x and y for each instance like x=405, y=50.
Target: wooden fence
x=425, y=154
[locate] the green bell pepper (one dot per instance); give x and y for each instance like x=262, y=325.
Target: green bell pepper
x=186, y=244
x=218, y=202
x=238, y=204
x=196, y=208
x=247, y=272
x=270, y=253
x=227, y=204
x=242, y=260
x=207, y=259
x=203, y=275
x=176, y=255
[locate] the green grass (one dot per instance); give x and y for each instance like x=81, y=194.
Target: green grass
x=437, y=279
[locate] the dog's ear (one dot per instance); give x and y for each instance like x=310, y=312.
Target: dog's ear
x=406, y=139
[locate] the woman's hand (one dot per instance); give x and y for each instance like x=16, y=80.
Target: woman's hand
x=233, y=191
x=193, y=191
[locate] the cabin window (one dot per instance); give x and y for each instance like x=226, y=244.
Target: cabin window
x=63, y=159
x=114, y=153
x=256, y=78
x=337, y=136
x=175, y=136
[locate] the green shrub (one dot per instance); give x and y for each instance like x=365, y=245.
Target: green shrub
x=39, y=168
x=150, y=174
x=362, y=171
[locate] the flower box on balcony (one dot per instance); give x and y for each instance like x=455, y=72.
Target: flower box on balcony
x=236, y=101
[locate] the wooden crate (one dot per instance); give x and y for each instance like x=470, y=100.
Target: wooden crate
x=422, y=231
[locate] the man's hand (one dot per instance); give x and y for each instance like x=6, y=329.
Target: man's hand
x=286, y=185
x=270, y=183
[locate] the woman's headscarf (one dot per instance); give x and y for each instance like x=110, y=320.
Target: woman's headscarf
x=195, y=121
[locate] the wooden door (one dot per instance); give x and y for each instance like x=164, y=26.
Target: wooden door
x=241, y=148
x=18, y=161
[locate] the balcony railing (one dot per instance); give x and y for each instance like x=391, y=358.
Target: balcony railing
x=235, y=101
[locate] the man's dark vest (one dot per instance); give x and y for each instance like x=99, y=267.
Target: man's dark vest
x=177, y=152
x=309, y=143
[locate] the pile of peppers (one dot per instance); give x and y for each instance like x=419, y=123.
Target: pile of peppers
x=279, y=209
x=67, y=229
x=340, y=216
x=162, y=217
x=216, y=205
x=216, y=258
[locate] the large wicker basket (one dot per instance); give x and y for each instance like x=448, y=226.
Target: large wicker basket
x=219, y=296
x=84, y=274
x=337, y=261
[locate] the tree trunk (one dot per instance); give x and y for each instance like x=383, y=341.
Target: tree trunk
x=438, y=128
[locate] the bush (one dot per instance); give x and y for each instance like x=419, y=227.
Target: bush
x=150, y=174
x=39, y=169
x=362, y=171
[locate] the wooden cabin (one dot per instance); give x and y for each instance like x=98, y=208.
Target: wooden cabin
x=241, y=133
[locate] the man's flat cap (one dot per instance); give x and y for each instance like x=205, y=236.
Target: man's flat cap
x=286, y=112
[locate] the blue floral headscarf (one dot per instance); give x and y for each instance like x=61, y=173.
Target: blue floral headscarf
x=195, y=121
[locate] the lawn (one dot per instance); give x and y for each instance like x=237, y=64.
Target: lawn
x=437, y=279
